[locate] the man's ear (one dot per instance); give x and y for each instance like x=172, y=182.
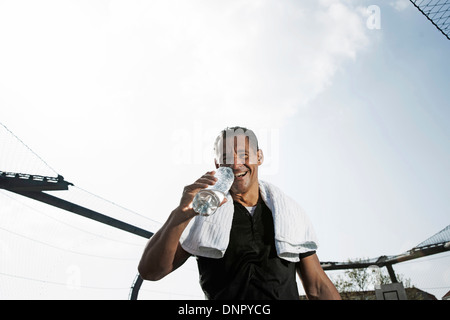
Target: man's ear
x=260, y=157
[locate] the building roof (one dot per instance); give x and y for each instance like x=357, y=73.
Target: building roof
x=446, y=296
x=411, y=293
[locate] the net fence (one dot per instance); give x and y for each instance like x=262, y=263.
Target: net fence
x=437, y=11
x=50, y=253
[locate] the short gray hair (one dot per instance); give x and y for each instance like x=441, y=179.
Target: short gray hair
x=234, y=132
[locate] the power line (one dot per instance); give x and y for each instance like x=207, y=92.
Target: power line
x=64, y=249
x=423, y=259
x=28, y=148
x=119, y=206
x=60, y=283
x=67, y=224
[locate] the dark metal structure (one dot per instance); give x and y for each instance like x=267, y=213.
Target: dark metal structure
x=34, y=187
x=438, y=243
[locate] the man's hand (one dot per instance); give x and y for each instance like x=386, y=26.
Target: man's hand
x=163, y=252
x=189, y=192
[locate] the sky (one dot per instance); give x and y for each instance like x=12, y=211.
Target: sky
x=349, y=100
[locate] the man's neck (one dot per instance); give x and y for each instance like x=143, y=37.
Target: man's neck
x=247, y=199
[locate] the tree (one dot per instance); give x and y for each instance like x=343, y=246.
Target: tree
x=363, y=281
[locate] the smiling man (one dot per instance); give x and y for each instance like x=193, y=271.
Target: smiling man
x=237, y=147
x=255, y=243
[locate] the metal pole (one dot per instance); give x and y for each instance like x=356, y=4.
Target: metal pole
x=136, y=286
x=391, y=273
x=32, y=188
x=91, y=214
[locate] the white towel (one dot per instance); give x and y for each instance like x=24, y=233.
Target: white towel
x=294, y=234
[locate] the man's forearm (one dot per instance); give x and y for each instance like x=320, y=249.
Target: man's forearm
x=163, y=253
x=315, y=281
x=328, y=292
x=160, y=254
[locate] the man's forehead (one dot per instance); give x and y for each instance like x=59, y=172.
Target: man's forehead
x=240, y=142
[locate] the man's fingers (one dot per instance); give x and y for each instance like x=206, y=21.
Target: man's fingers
x=203, y=182
x=209, y=175
x=207, y=180
x=223, y=201
x=196, y=186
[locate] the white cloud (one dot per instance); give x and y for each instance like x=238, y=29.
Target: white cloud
x=118, y=81
x=400, y=5
x=242, y=59
x=268, y=60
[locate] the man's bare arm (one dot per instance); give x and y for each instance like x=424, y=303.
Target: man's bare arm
x=315, y=281
x=163, y=252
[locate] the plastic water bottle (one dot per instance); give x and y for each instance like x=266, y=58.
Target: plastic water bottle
x=207, y=200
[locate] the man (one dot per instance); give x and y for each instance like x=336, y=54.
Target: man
x=253, y=264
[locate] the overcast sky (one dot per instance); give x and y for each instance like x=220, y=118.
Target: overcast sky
x=125, y=98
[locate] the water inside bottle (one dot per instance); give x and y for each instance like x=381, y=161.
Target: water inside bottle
x=206, y=202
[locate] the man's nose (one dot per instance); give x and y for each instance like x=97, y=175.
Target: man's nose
x=235, y=165
x=238, y=161
x=235, y=162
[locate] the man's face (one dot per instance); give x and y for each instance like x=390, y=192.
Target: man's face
x=243, y=159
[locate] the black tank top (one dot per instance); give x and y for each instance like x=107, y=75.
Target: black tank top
x=250, y=268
